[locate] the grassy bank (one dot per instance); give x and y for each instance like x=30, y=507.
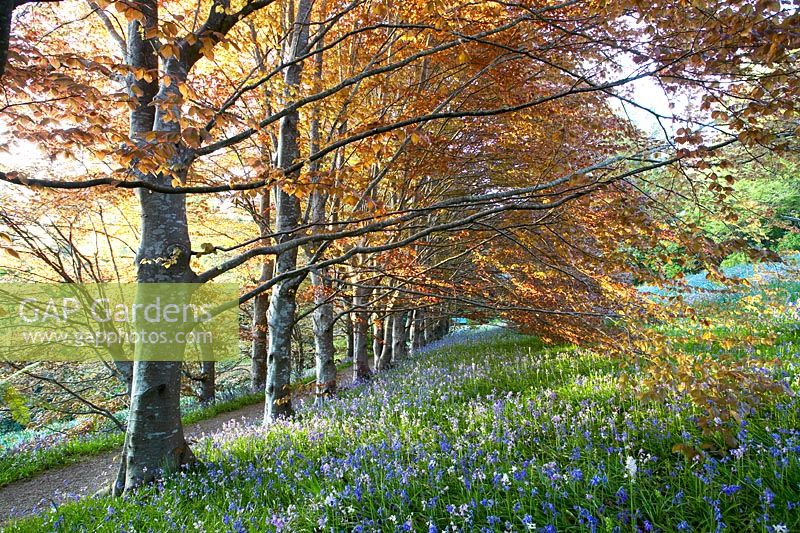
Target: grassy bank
x=500, y=434
x=27, y=463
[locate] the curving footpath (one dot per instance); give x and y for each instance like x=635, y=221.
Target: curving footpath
x=53, y=487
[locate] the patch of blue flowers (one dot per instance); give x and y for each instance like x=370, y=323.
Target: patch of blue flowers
x=488, y=432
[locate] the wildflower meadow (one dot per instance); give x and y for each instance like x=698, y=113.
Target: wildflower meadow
x=485, y=431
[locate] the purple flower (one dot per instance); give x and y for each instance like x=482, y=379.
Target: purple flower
x=278, y=522
x=622, y=496
x=576, y=474
x=730, y=490
x=598, y=479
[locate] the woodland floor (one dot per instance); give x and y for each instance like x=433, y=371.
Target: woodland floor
x=496, y=433
x=52, y=487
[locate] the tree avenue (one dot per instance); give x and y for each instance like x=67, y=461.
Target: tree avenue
x=395, y=165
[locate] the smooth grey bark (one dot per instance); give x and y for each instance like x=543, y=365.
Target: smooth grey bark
x=283, y=303
x=207, y=391
x=442, y=328
x=281, y=314
x=348, y=335
x=155, y=433
x=322, y=318
x=361, y=368
x=258, y=347
x=399, y=346
x=377, y=340
x=299, y=362
x=429, y=329
x=259, y=329
x=323, y=338
x=125, y=374
x=385, y=358
x=408, y=324
x=417, y=330
x=155, y=440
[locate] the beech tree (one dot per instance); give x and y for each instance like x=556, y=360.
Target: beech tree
x=428, y=144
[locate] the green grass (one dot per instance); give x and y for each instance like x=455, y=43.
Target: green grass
x=26, y=464
x=491, y=436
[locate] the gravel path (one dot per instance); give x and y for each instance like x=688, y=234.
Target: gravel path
x=52, y=487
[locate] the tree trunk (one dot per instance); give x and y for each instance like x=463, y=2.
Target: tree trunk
x=348, y=335
x=443, y=328
x=385, y=359
x=323, y=337
x=155, y=435
x=282, y=302
x=258, y=352
x=299, y=362
x=408, y=323
x=323, y=308
x=360, y=332
x=282, y=306
x=430, y=329
x=377, y=341
x=155, y=440
x=417, y=332
x=208, y=382
x=124, y=368
x=399, y=347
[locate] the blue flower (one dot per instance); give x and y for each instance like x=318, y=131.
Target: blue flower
x=730, y=490
x=527, y=521
x=622, y=496
x=598, y=479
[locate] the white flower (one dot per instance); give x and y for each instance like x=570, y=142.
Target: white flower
x=631, y=467
x=780, y=528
